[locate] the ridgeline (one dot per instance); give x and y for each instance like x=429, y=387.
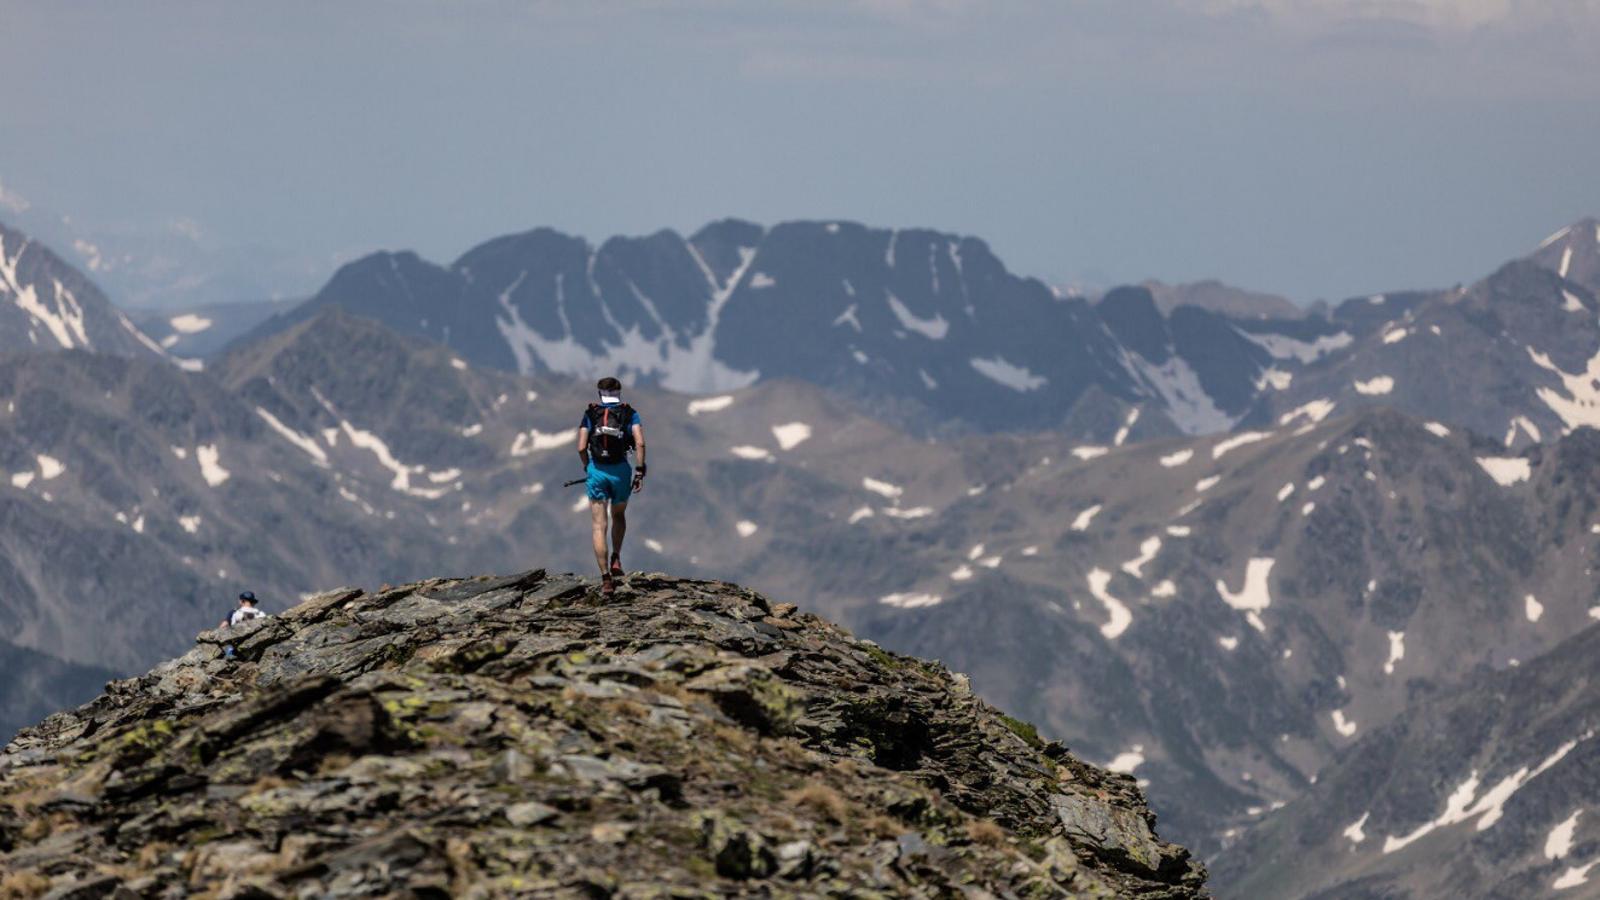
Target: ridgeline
x=517, y=736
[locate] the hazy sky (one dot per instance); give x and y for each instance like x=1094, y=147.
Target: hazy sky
x=1320, y=148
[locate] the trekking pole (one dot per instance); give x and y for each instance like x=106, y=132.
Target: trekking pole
x=573, y=482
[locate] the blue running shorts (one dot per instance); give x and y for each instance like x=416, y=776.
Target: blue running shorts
x=610, y=483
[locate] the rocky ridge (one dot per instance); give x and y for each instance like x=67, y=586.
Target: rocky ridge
x=490, y=736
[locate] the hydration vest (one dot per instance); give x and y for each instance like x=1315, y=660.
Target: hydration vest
x=610, y=432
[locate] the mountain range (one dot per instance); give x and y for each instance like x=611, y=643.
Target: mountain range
x=1402, y=507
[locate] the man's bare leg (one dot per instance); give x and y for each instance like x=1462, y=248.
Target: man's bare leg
x=597, y=513
x=619, y=527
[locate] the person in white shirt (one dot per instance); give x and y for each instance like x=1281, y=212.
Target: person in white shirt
x=246, y=611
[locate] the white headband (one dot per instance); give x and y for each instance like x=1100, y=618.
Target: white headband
x=610, y=398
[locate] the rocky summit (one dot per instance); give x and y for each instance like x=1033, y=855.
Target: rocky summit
x=525, y=736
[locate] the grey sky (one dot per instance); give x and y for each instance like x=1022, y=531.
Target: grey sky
x=1316, y=148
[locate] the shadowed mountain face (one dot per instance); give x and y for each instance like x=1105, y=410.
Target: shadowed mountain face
x=1484, y=790
x=524, y=735
x=46, y=304
x=934, y=332
x=929, y=326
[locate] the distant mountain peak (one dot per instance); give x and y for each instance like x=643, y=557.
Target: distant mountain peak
x=47, y=304
x=1573, y=253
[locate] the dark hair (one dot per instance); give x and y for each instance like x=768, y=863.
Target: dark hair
x=248, y=597
x=609, y=384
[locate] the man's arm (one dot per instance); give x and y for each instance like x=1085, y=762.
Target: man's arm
x=638, y=452
x=583, y=447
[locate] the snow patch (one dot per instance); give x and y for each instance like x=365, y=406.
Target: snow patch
x=1275, y=378
x=1580, y=405
x=1229, y=644
x=848, y=317
x=1179, y=530
x=1126, y=761
x=1309, y=508
x=189, y=323
x=745, y=451
x=1206, y=484
x=882, y=488
x=21, y=479
x=51, y=468
x=1313, y=412
x=210, y=469
x=1088, y=453
x=1127, y=426
x=910, y=600
x=1147, y=552
x=1574, y=876
x=1506, y=471
x=1571, y=303
x=1356, y=831
x=1164, y=589
x=654, y=545
x=1558, y=843
x=1238, y=440
x=962, y=573
x=1397, y=651
x=915, y=512
x=1280, y=347
x=1178, y=386
x=1395, y=335
x=1487, y=809
x=1119, y=617
x=1285, y=491
x=762, y=280
x=1345, y=727
x=1081, y=523
x=791, y=435
x=306, y=444
x=710, y=404
x=1173, y=460
x=536, y=441
x=1013, y=376
x=864, y=512
x=1437, y=429
x=190, y=524
x=933, y=329
x=1254, y=596
x=1375, y=387
x=1555, y=237
x=745, y=528
x=1532, y=608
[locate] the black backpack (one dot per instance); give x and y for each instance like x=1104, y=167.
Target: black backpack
x=610, y=432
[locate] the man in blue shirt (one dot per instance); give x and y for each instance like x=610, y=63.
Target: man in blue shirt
x=609, y=430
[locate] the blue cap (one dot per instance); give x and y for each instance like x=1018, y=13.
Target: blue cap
x=248, y=595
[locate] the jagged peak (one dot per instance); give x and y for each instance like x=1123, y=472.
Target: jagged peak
x=503, y=734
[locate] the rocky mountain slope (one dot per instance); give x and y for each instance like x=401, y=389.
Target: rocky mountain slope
x=1311, y=573
x=1239, y=610
x=518, y=735
x=45, y=303
x=1486, y=789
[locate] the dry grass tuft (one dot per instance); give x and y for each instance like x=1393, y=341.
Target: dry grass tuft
x=820, y=798
x=987, y=833
x=22, y=885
